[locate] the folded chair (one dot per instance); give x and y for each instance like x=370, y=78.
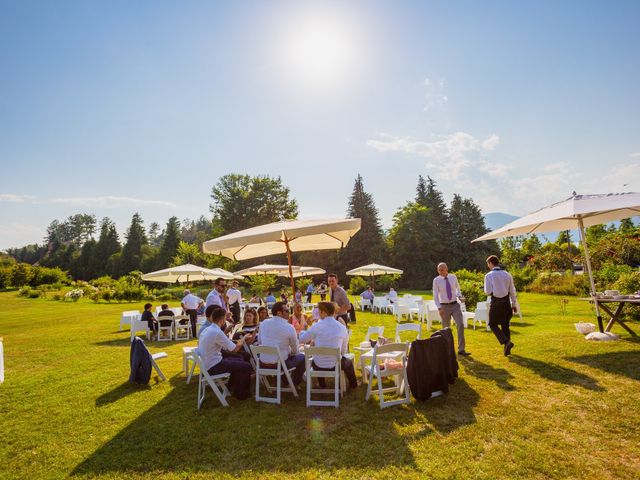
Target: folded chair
x=263, y=371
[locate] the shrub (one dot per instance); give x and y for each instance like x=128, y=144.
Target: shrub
x=21, y=274
x=302, y=283
x=357, y=285
x=165, y=297
x=24, y=292
x=467, y=275
x=609, y=274
x=44, y=275
x=5, y=277
x=472, y=291
x=385, y=282
x=558, y=284
x=523, y=277
x=75, y=294
x=628, y=283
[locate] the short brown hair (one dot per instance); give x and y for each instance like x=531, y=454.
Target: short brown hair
x=493, y=260
x=327, y=307
x=332, y=275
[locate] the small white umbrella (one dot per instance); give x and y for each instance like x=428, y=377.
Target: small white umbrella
x=576, y=212
x=308, y=272
x=372, y=270
x=284, y=237
x=186, y=273
x=267, y=269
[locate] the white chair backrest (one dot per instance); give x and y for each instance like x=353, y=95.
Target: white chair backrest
x=408, y=327
x=158, y=309
x=333, y=352
x=176, y=310
x=130, y=313
x=374, y=330
x=481, y=306
x=400, y=348
x=258, y=350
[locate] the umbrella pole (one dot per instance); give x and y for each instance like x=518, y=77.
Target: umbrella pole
x=293, y=285
x=589, y=270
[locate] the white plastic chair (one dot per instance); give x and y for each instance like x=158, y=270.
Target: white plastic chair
x=481, y=314
x=396, y=351
x=165, y=325
x=370, y=331
x=366, y=302
x=128, y=316
x=158, y=356
x=217, y=383
x=402, y=307
x=432, y=313
x=337, y=390
x=262, y=374
x=182, y=327
x=189, y=361
x=466, y=316
x=408, y=327
x=177, y=310
x=138, y=325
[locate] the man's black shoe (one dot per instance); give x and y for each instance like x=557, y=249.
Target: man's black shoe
x=507, y=348
x=464, y=353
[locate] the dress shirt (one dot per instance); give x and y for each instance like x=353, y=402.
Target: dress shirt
x=211, y=344
x=327, y=332
x=392, y=295
x=277, y=332
x=203, y=327
x=310, y=288
x=367, y=295
x=215, y=298
x=500, y=284
x=234, y=295
x=270, y=299
x=440, y=289
x=191, y=302
x=340, y=297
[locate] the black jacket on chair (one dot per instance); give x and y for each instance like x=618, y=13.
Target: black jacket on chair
x=451, y=351
x=428, y=367
x=140, y=359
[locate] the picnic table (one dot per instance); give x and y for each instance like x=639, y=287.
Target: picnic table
x=621, y=301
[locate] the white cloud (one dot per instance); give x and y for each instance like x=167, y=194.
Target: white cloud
x=20, y=234
x=635, y=155
x=110, y=202
x=12, y=197
x=434, y=95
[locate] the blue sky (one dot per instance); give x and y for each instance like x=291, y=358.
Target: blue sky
x=116, y=107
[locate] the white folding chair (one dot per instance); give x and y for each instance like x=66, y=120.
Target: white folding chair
x=177, y=311
x=182, y=327
x=218, y=383
x=370, y=331
x=158, y=356
x=165, y=326
x=189, y=361
x=127, y=317
x=366, y=302
x=466, y=316
x=432, y=313
x=481, y=314
x=138, y=325
x=408, y=327
x=264, y=371
x=402, y=307
x=311, y=373
x=395, y=351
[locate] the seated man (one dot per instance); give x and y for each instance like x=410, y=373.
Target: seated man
x=211, y=345
x=392, y=295
x=208, y=312
x=166, y=312
x=278, y=332
x=328, y=332
x=147, y=316
x=368, y=295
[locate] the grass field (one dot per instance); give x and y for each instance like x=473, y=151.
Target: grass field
x=560, y=407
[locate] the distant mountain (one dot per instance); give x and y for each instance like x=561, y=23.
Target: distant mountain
x=495, y=220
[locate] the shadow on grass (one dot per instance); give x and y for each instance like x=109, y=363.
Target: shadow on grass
x=121, y=391
x=522, y=324
x=557, y=373
x=173, y=436
x=625, y=363
x=118, y=342
x=485, y=371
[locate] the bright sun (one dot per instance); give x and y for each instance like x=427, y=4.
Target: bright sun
x=317, y=49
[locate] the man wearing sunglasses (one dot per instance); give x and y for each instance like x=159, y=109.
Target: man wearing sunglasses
x=217, y=295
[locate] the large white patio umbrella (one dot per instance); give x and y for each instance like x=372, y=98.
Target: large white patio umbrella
x=186, y=273
x=284, y=237
x=308, y=272
x=372, y=270
x=576, y=212
x=267, y=269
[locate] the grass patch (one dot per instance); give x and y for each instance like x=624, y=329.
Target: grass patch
x=560, y=407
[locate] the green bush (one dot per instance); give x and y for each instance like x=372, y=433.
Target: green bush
x=5, y=277
x=559, y=284
x=385, y=282
x=472, y=291
x=523, y=277
x=357, y=285
x=44, y=275
x=628, y=283
x=609, y=273
x=468, y=275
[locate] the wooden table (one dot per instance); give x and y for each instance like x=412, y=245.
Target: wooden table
x=621, y=301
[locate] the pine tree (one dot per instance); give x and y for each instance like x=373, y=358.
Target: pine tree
x=367, y=246
x=108, y=244
x=170, y=242
x=132, y=250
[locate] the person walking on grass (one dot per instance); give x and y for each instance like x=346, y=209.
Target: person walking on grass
x=446, y=292
x=499, y=284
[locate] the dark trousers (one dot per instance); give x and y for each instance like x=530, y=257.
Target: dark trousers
x=234, y=308
x=500, y=314
x=241, y=354
x=193, y=319
x=323, y=296
x=240, y=371
x=348, y=369
x=309, y=297
x=296, y=361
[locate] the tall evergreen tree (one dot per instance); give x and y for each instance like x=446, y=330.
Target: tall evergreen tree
x=155, y=238
x=108, y=244
x=132, y=250
x=367, y=246
x=170, y=242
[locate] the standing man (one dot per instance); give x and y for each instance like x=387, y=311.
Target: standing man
x=217, y=296
x=339, y=296
x=499, y=284
x=278, y=332
x=446, y=291
x=234, y=296
x=190, y=304
x=310, y=289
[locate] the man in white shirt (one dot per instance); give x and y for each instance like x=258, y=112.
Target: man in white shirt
x=392, y=295
x=211, y=344
x=234, y=297
x=278, y=332
x=190, y=304
x=328, y=332
x=446, y=291
x=499, y=284
x=217, y=296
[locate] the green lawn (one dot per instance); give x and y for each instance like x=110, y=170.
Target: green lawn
x=560, y=407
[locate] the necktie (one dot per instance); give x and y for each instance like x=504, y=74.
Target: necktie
x=449, y=292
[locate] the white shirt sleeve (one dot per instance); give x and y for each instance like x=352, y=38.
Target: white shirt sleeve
x=307, y=336
x=436, y=293
x=488, y=288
